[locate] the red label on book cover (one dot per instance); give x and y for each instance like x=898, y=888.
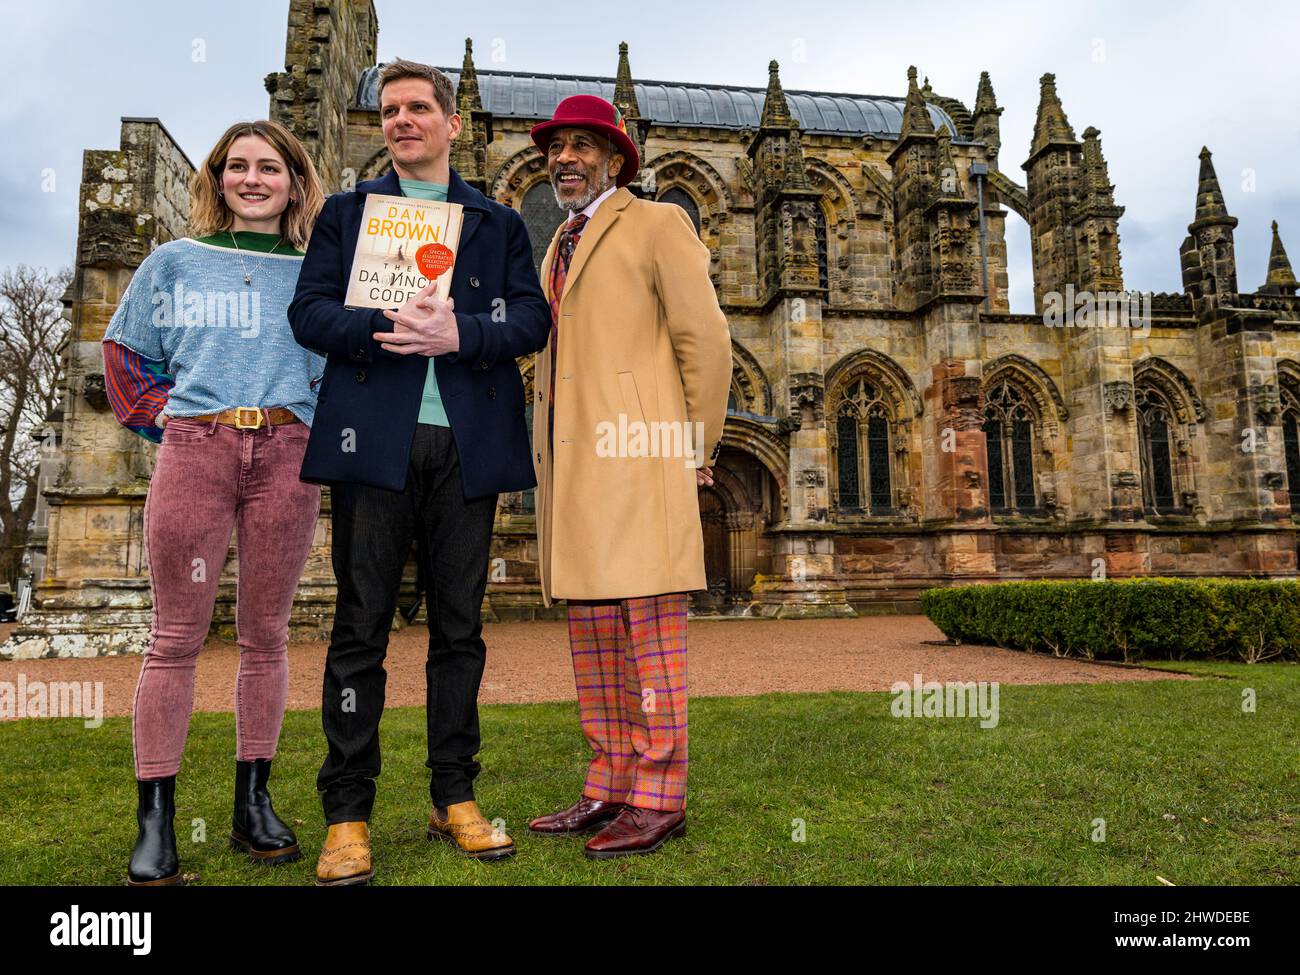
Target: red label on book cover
x=433, y=259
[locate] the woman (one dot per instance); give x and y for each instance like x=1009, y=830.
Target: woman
x=199, y=356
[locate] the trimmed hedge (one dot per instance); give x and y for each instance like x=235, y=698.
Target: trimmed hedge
x=1126, y=619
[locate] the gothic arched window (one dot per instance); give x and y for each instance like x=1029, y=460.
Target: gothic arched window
x=684, y=200
x=862, y=437
x=541, y=216
x=1009, y=435
x=1157, y=428
x=1291, y=444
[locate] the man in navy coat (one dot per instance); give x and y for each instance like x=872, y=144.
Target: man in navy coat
x=419, y=425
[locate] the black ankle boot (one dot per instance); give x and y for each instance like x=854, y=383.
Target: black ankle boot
x=153, y=861
x=255, y=828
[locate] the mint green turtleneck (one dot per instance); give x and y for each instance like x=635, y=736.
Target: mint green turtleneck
x=431, y=408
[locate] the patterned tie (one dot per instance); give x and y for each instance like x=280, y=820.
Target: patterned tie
x=559, y=274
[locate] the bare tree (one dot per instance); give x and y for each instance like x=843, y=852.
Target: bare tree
x=33, y=336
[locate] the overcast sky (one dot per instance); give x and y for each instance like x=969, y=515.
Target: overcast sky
x=1158, y=79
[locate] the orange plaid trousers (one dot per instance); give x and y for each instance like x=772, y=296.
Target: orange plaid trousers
x=629, y=666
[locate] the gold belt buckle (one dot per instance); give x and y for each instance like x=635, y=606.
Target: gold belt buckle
x=239, y=418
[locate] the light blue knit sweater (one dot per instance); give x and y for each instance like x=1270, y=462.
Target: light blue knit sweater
x=226, y=342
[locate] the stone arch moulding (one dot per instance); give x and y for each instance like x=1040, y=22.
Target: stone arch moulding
x=1038, y=384
x=1173, y=382
x=839, y=192
x=734, y=493
x=702, y=183
x=897, y=384
x=376, y=166
x=747, y=373
x=1288, y=375
x=760, y=441
x=1009, y=192
x=697, y=177
x=517, y=176
x=879, y=187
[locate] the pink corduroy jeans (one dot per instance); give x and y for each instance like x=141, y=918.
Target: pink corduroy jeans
x=210, y=479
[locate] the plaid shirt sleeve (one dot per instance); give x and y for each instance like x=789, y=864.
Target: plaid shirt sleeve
x=137, y=389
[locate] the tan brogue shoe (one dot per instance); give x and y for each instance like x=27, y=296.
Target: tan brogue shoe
x=462, y=824
x=345, y=857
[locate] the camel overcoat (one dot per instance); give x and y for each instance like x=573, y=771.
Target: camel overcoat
x=643, y=370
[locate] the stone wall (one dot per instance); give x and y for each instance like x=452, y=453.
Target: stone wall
x=903, y=309
x=326, y=47
x=94, y=595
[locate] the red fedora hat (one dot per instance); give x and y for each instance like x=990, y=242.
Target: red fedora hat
x=590, y=112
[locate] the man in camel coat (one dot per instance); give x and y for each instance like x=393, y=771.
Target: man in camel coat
x=631, y=396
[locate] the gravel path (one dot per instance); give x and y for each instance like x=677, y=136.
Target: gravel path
x=530, y=662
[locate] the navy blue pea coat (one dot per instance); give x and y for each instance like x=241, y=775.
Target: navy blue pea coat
x=369, y=398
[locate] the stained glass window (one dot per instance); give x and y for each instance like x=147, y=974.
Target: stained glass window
x=997, y=487
x=1155, y=429
x=1009, y=438
x=847, y=433
x=863, y=438
x=878, y=460
x=1291, y=444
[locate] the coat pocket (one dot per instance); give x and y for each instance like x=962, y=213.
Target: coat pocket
x=631, y=399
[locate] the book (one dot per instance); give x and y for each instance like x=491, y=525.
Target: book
x=403, y=245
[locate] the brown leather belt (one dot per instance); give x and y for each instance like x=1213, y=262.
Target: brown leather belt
x=250, y=417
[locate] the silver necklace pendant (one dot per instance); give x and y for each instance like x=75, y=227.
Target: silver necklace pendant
x=248, y=275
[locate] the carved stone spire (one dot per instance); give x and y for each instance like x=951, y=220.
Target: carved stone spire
x=788, y=209
x=776, y=113
x=624, y=89
x=1051, y=127
x=1096, y=222
x=638, y=128
x=776, y=147
x=987, y=112
x=1210, y=207
x=1097, y=187
x=1281, y=279
x=467, y=93
x=985, y=100
x=947, y=185
x=1210, y=261
x=469, y=150
x=796, y=177
x=916, y=119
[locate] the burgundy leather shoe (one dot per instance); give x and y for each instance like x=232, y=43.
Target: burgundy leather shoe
x=583, y=815
x=636, y=830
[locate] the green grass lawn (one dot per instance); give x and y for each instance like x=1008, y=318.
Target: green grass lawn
x=1191, y=789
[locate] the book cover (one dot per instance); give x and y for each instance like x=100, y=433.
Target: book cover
x=403, y=245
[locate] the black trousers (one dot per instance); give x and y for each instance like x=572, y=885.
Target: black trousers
x=373, y=531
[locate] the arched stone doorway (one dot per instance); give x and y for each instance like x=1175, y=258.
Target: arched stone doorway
x=734, y=513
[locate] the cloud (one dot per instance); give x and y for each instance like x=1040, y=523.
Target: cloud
x=1151, y=77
